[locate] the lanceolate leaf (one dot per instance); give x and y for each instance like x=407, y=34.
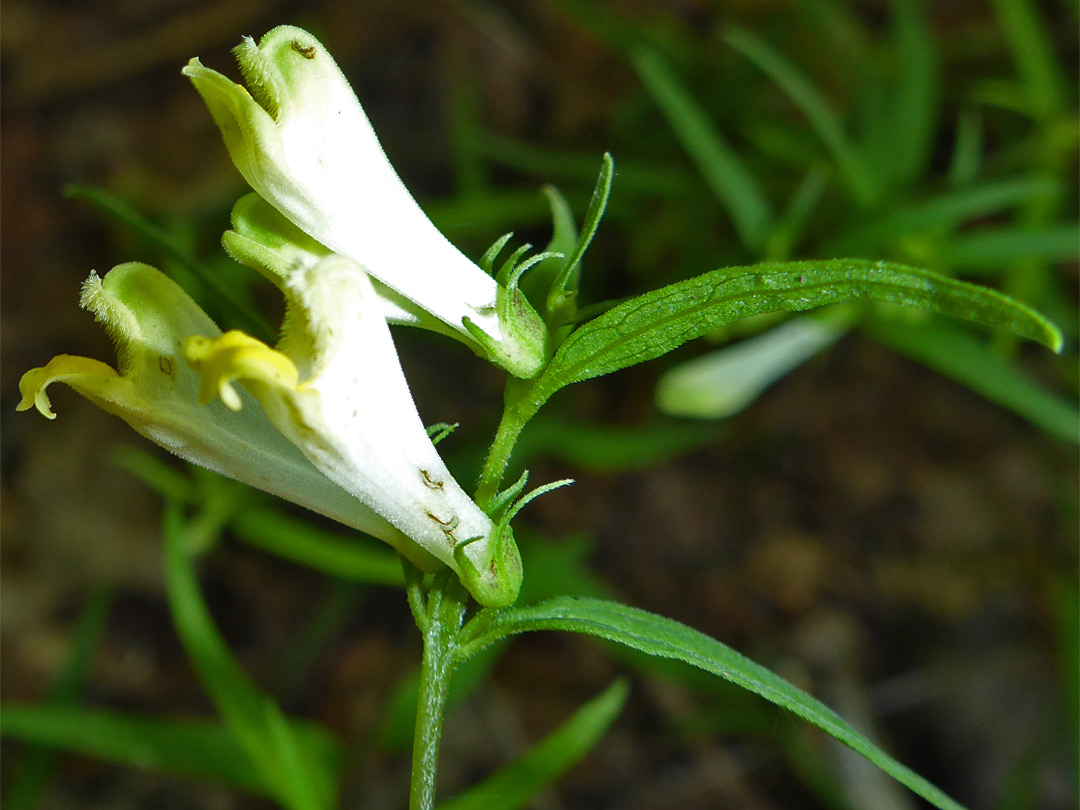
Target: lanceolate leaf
x=666, y=638
x=650, y=325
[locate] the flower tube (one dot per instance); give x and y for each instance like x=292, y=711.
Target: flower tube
x=300, y=138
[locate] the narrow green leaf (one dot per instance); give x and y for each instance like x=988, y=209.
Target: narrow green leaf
x=301, y=773
x=243, y=315
x=1033, y=52
x=26, y=782
x=666, y=638
x=791, y=226
x=601, y=447
x=652, y=324
x=159, y=475
x=720, y=166
x=561, y=298
x=513, y=786
x=809, y=99
x=539, y=280
x=967, y=149
x=993, y=249
x=916, y=100
x=357, y=559
x=957, y=354
x=202, y=749
x=550, y=163
x=939, y=215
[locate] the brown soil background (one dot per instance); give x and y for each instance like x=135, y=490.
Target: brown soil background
x=879, y=535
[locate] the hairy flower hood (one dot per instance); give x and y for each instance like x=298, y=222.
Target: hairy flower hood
x=325, y=420
x=300, y=138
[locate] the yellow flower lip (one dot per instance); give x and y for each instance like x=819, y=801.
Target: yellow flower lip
x=236, y=356
x=63, y=368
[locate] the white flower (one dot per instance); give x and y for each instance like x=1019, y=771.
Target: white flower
x=326, y=420
x=302, y=141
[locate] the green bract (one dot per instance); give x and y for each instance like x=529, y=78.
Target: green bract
x=303, y=142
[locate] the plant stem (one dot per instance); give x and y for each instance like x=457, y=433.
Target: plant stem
x=445, y=610
x=514, y=418
x=440, y=618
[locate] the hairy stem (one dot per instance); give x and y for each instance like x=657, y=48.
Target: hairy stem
x=445, y=610
x=515, y=416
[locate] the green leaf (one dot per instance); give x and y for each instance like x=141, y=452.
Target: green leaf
x=354, y=558
x=916, y=100
x=992, y=249
x=652, y=324
x=944, y=212
x=809, y=99
x=513, y=786
x=790, y=228
x=605, y=448
x=202, y=749
x=667, y=638
x=957, y=354
x=561, y=298
x=539, y=280
x=160, y=476
x=300, y=769
x=967, y=148
x=642, y=178
x=1033, y=51
x=720, y=166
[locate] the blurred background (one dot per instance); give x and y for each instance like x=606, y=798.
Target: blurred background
x=892, y=531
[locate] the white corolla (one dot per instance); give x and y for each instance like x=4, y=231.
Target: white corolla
x=325, y=419
x=300, y=138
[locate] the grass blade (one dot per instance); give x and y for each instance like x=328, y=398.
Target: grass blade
x=991, y=250
x=957, y=354
x=1033, y=53
x=202, y=749
x=731, y=182
x=512, y=787
x=355, y=559
x=916, y=101
x=299, y=772
x=809, y=99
